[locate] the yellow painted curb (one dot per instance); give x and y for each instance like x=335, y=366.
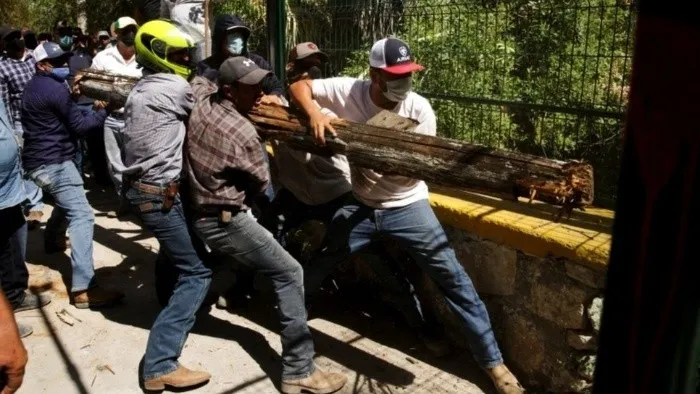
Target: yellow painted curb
x=529, y=228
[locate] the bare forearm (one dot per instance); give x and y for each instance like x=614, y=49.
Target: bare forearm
x=302, y=95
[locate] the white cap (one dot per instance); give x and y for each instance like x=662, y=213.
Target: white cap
x=123, y=22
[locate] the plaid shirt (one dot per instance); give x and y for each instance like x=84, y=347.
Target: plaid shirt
x=223, y=156
x=14, y=75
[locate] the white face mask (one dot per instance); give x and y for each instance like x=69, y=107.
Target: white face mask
x=235, y=43
x=397, y=90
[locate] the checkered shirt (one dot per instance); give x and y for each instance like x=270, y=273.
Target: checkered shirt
x=14, y=75
x=223, y=156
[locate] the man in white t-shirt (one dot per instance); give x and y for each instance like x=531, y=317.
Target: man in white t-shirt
x=118, y=59
x=393, y=205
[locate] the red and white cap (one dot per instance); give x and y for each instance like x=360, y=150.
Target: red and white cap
x=393, y=56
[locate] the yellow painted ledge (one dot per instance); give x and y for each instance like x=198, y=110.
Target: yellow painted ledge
x=584, y=238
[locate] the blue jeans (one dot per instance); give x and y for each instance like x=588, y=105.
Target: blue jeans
x=175, y=320
x=114, y=140
x=419, y=232
x=72, y=211
x=250, y=244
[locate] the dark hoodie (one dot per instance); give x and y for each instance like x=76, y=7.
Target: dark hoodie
x=209, y=67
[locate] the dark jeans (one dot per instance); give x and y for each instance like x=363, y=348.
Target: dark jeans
x=14, y=276
x=94, y=145
x=288, y=212
x=250, y=244
x=418, y=231
x=174, y=322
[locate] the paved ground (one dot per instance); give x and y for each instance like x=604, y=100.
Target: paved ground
x=100, y=351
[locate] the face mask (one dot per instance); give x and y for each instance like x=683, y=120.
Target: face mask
x=60, y=73
x=129, y=39
x=397, y=90
x=66, y=42
x=235, y=43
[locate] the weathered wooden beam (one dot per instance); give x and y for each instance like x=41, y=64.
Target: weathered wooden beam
x=448, y=162
x=385, y=145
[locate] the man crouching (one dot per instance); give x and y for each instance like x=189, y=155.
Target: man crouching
x=226, y=169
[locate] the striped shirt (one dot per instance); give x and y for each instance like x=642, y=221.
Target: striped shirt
x=155, y=115
x=14, y=75
x=224, y=159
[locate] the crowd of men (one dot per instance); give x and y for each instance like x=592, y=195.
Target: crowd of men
x=182, y=156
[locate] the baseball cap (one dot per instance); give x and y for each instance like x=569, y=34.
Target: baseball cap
x=103, y=33
x=393, y=56
x=123, y=22
x=241, y=69
x=304, y=50
x=49, y=50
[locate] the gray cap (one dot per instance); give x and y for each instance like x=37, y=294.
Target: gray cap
x=241, y=69
x=49, y=50
x=103, y=33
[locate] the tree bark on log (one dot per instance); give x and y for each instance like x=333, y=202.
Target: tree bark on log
x=393, y=150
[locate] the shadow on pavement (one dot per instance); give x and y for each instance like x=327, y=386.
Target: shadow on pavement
x=135, y=276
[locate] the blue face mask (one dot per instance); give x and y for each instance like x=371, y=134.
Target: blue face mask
x=66, y=42
x=60, y=73
x=235, y=43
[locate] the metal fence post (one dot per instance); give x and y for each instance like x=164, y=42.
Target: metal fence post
x=276, y=18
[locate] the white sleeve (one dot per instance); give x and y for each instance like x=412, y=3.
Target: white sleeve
x=331, y=92
x=97, y=61
x=427, y=123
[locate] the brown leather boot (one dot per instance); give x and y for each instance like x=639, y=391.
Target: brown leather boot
x=96, y=297
x=504, y=380
x=179, y=378
x=319, y=382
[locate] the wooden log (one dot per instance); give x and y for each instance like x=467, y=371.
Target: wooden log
x=385, y=146
x=446, y=162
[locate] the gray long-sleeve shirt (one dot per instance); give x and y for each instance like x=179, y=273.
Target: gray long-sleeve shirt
x=155, y=115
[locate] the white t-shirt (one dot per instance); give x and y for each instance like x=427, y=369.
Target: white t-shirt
x=313, y=179
x=111, y=60
x=350, y=99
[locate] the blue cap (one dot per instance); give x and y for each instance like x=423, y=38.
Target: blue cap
x=49, y=50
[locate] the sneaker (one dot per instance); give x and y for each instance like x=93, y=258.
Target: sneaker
x=179, y=378
x=34, y=220
x=25, y=330
x=319, y=382
x=96, y=297
x=504, y=380
x=33, y=301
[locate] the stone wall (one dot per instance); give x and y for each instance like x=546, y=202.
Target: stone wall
x=545, y=311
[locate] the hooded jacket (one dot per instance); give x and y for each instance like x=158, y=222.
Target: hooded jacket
x=209, y=67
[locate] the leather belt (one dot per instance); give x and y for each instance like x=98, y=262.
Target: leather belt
x=168, y=190
x=224, y=213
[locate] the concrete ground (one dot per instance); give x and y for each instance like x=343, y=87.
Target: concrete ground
x=86, y=351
